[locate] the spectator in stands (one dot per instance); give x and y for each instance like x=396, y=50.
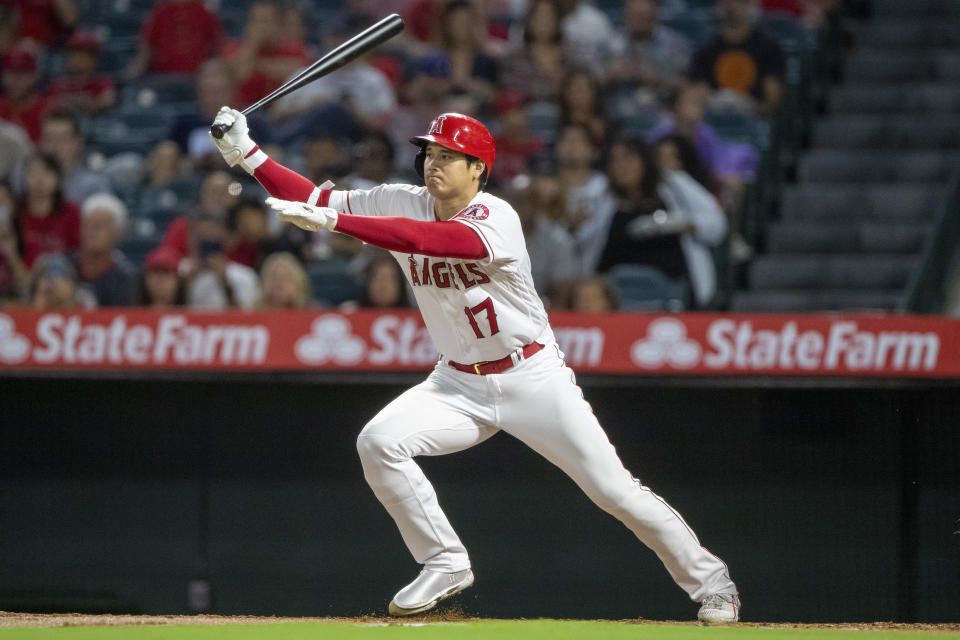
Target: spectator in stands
x=161, y=286
x=176, y=38
x=537, y=69
x=515, y=143
x=589, y=206
x=16, y=147
x=382, y=286
x=734, y=163
x=45, y=22
x=46, y=222
x=215, y=87
x=553, y=255
x=581, y=103
x=648, y=53
x=100, y=266
x=61, y=137
x=54, y=286
x=248, y=242
x=22, y=103
x=595, y=294
x=588, y=34
x=214, y=202
x=14, y=275
x=265, y=56
x=742, y=64
x=462, y=37
x=215, y=282
x=373, y=160
x=285, y=284
x=82, y=89
x=675, y=152
x=424, y=96
x=9, y=27
x=663, y=219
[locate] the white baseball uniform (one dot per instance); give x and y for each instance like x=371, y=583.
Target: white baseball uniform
x=478, y=311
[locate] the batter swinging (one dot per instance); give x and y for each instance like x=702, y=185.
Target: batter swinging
x=464, y=255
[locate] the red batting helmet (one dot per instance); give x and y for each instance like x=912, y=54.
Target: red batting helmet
x=460, y=133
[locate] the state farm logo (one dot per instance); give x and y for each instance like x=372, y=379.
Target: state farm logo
x=14, y=348
x=666, y=343
x=732, y=344
x=330, y=338
x=393, y=340
x=474, y=212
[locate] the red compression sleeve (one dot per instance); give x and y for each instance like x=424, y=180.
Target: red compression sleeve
x=285, y=184
x=435, y=239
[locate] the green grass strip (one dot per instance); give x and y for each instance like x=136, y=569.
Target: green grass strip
x=519, y=630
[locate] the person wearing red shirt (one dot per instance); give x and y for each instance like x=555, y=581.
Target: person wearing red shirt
x=176, y=38
x=45, y=221
x=21, y=103
x=264, y=57
x=46, y=22
x=82, y=88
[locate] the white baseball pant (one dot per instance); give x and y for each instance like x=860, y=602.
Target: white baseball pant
x=538, y=402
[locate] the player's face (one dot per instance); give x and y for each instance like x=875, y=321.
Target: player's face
x=447, y=174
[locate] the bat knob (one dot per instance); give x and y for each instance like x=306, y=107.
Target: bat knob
x=218, y=130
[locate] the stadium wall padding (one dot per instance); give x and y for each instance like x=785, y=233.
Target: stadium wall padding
x=828, y=503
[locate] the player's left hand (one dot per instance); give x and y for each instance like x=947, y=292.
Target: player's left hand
x=236, y=142
x=306, y=216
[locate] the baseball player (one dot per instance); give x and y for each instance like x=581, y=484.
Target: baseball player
x=463, y=252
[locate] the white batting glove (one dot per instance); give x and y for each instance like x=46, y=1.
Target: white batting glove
x=306, y=216
x=236, y=144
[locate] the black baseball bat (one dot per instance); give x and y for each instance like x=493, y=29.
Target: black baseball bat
x=350, y=50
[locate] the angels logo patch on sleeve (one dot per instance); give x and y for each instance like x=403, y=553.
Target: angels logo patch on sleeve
x=474, y=212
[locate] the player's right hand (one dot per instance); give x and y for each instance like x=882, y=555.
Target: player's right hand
x=235, y=143
x=306, y=216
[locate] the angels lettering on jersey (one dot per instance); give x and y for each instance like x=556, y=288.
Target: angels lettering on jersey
x=427, y=271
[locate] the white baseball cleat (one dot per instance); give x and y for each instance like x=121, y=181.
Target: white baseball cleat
x=427, y=590
x=719, y=607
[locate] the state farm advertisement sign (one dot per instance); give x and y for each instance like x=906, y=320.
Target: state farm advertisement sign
x=716, y=344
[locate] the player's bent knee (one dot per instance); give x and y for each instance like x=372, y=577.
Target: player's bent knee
x=375, y=447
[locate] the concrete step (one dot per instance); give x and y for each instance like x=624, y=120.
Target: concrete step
x=879, y=98
x=839, y=165
x=899, y=202
x=885, y=65
x=786, y=300
x=915, y=10
x=894, y=132
x=846, y=237
x=914, y=34
x=830, y=271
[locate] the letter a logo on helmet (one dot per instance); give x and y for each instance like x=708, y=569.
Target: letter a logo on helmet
x=460, y=133
x=436, y=127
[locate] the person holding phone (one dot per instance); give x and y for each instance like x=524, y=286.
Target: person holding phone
x=215, y=281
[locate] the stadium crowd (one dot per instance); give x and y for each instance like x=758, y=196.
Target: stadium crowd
x=113, y=194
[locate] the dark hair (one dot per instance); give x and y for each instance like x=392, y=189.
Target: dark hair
x=527, y=20
x=690, y=160
x=143, y=296
x=66, y=115
x=53, y=165
x=381, y=138
x=567, y=81
x=379, y=258
x=445, y=12
x=649, y=196
x=245, y=203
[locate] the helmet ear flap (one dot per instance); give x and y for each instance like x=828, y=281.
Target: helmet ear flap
x=419, y=160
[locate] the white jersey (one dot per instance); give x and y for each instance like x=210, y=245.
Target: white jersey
x=475, y=310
